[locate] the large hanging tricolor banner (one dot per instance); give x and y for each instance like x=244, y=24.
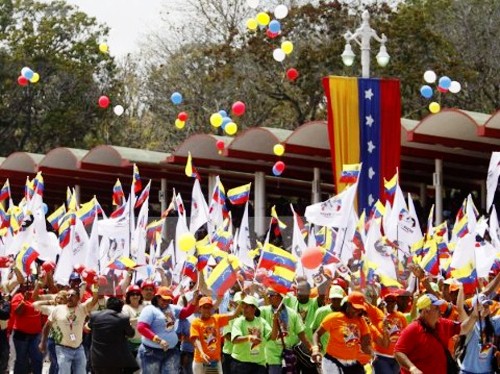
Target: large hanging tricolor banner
x=364, y=125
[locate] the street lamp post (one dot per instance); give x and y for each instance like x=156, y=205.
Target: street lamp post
x=362, y=36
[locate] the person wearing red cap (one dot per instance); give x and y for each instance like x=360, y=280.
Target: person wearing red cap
x=158, y=351
x=148, y=289
x=133, y=308
x=205, y=332
x=349, y=333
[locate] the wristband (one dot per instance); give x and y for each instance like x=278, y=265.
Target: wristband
x=315, y=349
x=156, y=339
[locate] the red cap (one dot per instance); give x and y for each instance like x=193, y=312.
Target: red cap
x=340, y=282
x=48, y=266
x=148, y=283
x=133, y=288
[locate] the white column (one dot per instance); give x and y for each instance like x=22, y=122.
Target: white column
x=438, y=186
x=423, y=194
x=316, y=186
x=260, y=203
x=162, y=196
x=78, y=194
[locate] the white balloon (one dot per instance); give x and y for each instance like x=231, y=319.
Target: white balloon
x=253, y=3
x=455, y=87
x=279, y=55
x=118, y=110
x=281, y=11
x=430, y=76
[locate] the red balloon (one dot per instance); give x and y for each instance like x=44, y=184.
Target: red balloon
x=22, y=81
x=280, y=166
x=292, y=74
x=89, y=276
x=312, y=257
x=441, y=89
x=238, y=108
x=183, y=116
x=104, y=101
x=102, y=280
x=220, y=145
x=271, y=35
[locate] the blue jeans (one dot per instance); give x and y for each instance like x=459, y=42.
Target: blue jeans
x=385, y=365
x=51, y=349
x=158, y=361
x=26, y=346
x=71, y=360
x=274, y=369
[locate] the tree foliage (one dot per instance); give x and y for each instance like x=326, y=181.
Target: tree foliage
x=61, y=44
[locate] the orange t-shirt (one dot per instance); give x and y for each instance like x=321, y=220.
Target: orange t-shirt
x=345, y=335
x=396, y=322
x=209, y=333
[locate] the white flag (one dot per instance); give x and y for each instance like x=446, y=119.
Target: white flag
x=335, y=211
x=378, y=252
x=494, y=229
x=199, y=208
x=138, y=240
x=92, y=259
x=492, y=178
x=115, y=240
x=243, y=240
x=299, y=246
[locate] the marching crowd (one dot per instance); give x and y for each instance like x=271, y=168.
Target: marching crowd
x=102, y=324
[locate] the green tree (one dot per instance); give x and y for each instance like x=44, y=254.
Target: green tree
x=61, y=44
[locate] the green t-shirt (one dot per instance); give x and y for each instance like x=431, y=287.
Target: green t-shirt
x=247, y=351
x=227, y=348
x=319, y=316
x=305, y=311
x=291, y=329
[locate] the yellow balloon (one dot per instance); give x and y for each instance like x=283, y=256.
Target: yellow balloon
x=263, y=19
x=216, y=120
x=35, y=78
x=179, y=124
x=103, y=47
x=278, y=149
x=231, y=128
x=187, y=241
x=252, y=24
x=434, y=107
x=287, y=47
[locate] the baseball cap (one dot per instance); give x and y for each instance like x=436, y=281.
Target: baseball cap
x=205, y=301
x=164, y=293
x=250, y=300
x=340, y=282
x=147, y=283
x=357, y=300
x=135, y=289
x=428, y=299
x=336, y=292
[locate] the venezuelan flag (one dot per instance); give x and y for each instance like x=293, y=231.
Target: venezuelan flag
x=118, y=194
x=189, y=268
x=350, y=173
x=388, y=285
x=430, y=262
x=378, y=210
x=136, y=180
x=222, y=278
x=239, y=195
x=144, y=195
x=329, y=258
x=25, y=258
x=56, y=216
x=203, y=253
x=38, y=184
x=154, y=227
x=65, y=228
x=280, y=280
x=273, y=256
x=222, y=239
x=462, y=227
x=5, y=191
x=364, y=126
x=87, y=212
x=122, y=263
x=390, y=185
x=4, y=218
x=190, y=170
x=118, y=211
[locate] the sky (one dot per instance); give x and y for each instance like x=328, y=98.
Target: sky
x=128, y=20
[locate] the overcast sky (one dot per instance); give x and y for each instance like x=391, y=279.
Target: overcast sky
x=128, y=20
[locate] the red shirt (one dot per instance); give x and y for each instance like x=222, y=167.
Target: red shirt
x=30, y=320
x=423, y=349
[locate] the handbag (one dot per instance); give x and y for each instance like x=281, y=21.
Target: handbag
x=288, y=356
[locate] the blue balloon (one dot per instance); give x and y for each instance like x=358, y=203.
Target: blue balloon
x=426, y=91
x=176, y=98
x=27, y=73
x=274, y=26
x=225, y=121
x=223, y=113
x=444, y=82
x=276, y=172
x=45, y=208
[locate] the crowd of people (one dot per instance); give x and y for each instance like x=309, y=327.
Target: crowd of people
x=112, y=325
